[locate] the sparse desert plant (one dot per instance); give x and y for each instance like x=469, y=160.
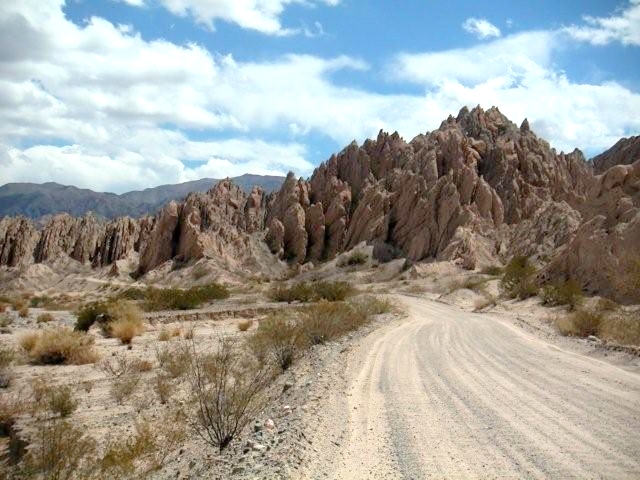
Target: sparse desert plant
x=517, y=281
x=163, y=388
x=174, y=361
x=325, y=320
x=562, y=293
x=126, y=329
x=59, y=346
x=177, y=299
x=58, y=451
x=5, y=321
x=92, y=313
x=356, y=258
x=621, y=327
x=7, y=355
x=278, y=339
x=132, y=293
x=56, y=399
x=189, y=332
x=123, y=386
x=475, y=283
x=228, y=393
x=581, y=323
x=484, y=302
x=45, y=318
x=606, y=305
x=167, y=333
x=493, y=270
x=245, y=325
x=299, y=292
x=333, y=291
x=23, y=312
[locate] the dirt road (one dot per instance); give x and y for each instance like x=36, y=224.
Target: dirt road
x=449, y=394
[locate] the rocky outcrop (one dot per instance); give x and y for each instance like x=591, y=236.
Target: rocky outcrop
x=625, y=152
x=18, y=238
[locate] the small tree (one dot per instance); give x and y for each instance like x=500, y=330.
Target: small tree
x=517, y=281
x=228, y=393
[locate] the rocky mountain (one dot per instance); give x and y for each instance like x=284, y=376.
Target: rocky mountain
x=624, y=152
x=37, y=200
x=478, y=190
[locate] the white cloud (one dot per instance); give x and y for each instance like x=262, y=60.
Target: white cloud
x=515, y=54
x=623, y=27
x=260, y=15
x=517, y=74
x=481, y=27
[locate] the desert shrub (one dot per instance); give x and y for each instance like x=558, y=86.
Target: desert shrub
x=245, y=325
x=7, y=355
x=23, y=312
x=177, y=299
x=132, y=293
x=606, y=305
x=189, y=332
x=228, y=393
x=325, y=321
x=59, y=346
x=493, y=270
x=299, y=292
x=57, y=399
x=278, y=339
x=484, y=302
x=45, y=317
x=5, y=321
x=581, y=323
x=564, y=293
x=125, y=330
x=622, y=327
x=356, y=258
x=174, y=361
x=333, y=291
x=122, y=387
x=163, y=388
x=518, y=279
x=92, y=313
x=167, y=333
x=59, y=451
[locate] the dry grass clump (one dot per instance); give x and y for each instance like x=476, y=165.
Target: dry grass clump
x=493, y=270
x=581, y=323
x=326, y=321
x=167, y=333
x=45, y=318
x=122, y=387
x=163, y=387
x=59, y=346
x=125, y=330
x=622, y=327
x=562, y=293
x=518, y=279
x=475, y=283
x=58, y=399
x=174, y=361
x=228, y=393
x=245, y=325
x=278, y=339
x=23, y=312
x=7, y=356
x=5, y=321
x=486, y=301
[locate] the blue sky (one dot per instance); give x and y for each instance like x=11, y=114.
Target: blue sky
x=116, y=95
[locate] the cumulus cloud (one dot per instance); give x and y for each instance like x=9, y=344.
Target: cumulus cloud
x=517, y=74
x=623, y=27
x=259, y=15
x=481, y=28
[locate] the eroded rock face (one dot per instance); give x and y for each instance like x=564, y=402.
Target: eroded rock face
x=625, y=152
x=18, y=238
x=478, y=171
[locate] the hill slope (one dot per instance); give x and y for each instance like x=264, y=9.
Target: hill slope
x=36, y=200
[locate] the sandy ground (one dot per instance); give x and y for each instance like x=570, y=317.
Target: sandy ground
x=445, y=393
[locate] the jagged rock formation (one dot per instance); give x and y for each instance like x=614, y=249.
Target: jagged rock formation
x=625, y=152
x=478, y=190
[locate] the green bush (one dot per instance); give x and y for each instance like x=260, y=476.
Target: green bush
x=493, y=270
x=565, y=293
x=177, y=299
x=300, y=292
x=90, y=314
x=518, y=279
x=325, y=321
x=278, y=339
x=333, y=291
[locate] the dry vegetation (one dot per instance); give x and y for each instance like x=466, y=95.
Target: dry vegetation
x=518, y=279
x=59, y=346
x=604, y=321
x=307, y=292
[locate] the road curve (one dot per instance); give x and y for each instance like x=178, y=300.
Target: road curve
x=451, y=394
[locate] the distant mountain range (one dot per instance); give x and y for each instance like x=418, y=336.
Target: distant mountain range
x=37, y=200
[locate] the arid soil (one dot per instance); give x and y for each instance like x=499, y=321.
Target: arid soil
x=445, y=393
